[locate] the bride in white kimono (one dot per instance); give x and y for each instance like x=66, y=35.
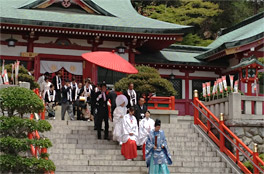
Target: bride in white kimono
x=119, y=112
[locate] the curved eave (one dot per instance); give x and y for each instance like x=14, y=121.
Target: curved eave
x=212, y=52
x=96, y=27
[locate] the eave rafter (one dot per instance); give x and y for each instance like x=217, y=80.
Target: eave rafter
x=82, y=32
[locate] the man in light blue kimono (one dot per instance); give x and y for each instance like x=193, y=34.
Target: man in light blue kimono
x=157, y=152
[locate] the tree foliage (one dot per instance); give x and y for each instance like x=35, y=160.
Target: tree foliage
x=14, y=146
x=208, y=16
x=22, y=76
x=20, y=100
x=147, y=81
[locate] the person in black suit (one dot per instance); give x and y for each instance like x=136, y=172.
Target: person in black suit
x=102, y=111
x=140, y=109
x=56, y=81
x=131, y=96
x=112, y=96
x=66, y=101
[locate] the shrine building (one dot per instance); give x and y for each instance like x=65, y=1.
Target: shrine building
x=49, y=35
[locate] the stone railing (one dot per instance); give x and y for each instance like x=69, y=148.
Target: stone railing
x=238, y=107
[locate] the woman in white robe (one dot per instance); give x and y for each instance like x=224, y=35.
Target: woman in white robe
x=129, y=136
x=119, y=112
x=145, y=126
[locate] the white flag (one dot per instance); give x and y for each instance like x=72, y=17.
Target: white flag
x=208, y=84
x=5, y=77
x=236, y=86
x=220, y=84
x=254, y=85
x=204, y=90
x=12, y=73
x=1, y=80
x=3, y=67
x=214, y=88
x=16, y=71
x=224, y=82
x=231, y=77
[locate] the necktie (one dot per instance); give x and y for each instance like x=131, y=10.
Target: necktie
x=104, y=96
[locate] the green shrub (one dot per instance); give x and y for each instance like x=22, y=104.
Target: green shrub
x=13, y=141
x=21, y=100
x=249, y=165
x=15, y=164
x=22, y=75
x=17, y=127
x=146, y=81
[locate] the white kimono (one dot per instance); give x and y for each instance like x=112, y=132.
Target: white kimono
x=118, y=131
x=145, y=126
x=129, y=126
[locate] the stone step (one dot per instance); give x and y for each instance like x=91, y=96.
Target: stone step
x=118, y=152
x=133, y=163
x=119, y=157
x=72, y=168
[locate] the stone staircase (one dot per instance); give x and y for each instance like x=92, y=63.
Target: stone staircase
x=76, y=150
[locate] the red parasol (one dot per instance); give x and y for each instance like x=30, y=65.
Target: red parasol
x=110, y=60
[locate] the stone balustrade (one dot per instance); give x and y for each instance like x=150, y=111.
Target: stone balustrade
x=238, y=107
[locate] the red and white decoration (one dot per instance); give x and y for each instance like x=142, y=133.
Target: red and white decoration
x=231, y=77
x=208, y=84
x=236, y=86
x=224, y=82
x=204, y=90
x=220, y=85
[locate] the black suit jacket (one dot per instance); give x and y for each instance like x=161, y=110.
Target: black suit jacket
x=54, y=82
x=139, y=111
x=101, y=104
x=128, y=99
x=112, y=96
x=64, y=90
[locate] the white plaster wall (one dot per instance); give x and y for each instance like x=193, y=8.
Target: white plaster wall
x=261, y=49
x=203, y=74
x=15, y=36
x=190, y=89
x=183, y=89
x=12, y=51
x=110, y=44
x=169, y=71
x=125, y=56
x=43, y=39
x=82, y=42
x=59, y=51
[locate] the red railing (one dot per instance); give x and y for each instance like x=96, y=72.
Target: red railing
x=35, y=151
x=163, y=103
x=225, y=134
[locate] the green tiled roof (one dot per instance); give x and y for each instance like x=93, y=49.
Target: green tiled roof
x=175, y=54
x=247, y=61
x=124, y=18
x=247, y=31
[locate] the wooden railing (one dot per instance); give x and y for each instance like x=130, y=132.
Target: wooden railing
x=37, y=151
x=163, y=103
x=225, y=134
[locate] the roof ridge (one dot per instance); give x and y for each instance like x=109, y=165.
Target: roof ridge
x=245, y=22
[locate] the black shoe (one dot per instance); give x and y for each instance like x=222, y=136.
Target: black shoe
x=106, y=138
x=95, y=128
x=99, y=137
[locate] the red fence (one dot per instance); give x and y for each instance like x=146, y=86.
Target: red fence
x=163, y=103
x=225, y=134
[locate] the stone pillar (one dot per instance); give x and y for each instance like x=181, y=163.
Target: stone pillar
x=222, y=107
x=259, y=108
x=217, y=110
x=248, y=108
x=226, y=109
x=234, y=106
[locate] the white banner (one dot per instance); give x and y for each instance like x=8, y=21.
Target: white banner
x=204, y=89
x=231, y=77
x=75, y=68
x=236, y=86
x=208, y=84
